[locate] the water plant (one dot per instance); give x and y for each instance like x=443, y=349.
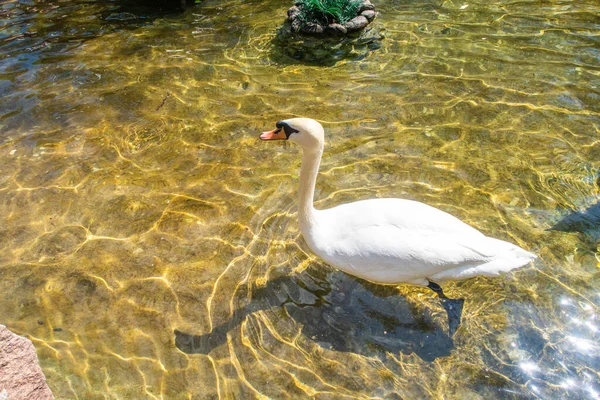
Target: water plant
x=325, y=12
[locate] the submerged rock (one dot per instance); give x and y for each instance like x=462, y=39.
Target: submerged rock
x=338, y=44
x=313, y=28
x=20, y=374
x=585, y=221
x=336, y=29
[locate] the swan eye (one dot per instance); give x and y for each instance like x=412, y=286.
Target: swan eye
x=286, y=128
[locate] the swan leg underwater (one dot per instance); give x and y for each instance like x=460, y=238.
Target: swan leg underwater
x=388, y=240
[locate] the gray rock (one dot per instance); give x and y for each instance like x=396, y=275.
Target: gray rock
x=20, y=374
x=311, y=27
x=366, y=5
x=336, y=29
x=369, y=14
x=356, y=23
x=293, y=12
x=296, y=25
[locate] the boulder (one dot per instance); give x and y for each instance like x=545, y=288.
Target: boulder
x=20, y=374
x=298, y=24
x=336, y=29
x=326, y=49
x=312, y=28
x=356, y=23
x=293, y=12
x=369, y=14
x=366, y=5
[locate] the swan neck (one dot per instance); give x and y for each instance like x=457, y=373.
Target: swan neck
x=308, y=178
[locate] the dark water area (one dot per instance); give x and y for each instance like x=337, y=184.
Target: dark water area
x=586, y=221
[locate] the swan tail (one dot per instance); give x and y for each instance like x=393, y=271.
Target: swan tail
x=507, y=257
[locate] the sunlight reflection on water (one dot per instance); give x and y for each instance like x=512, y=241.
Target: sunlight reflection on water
x=149, y=243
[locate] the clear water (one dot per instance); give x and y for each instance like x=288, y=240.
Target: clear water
x=148, y=241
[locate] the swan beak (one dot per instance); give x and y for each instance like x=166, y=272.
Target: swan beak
x=275, y=134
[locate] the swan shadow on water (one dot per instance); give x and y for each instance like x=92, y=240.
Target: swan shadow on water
x=340, y=313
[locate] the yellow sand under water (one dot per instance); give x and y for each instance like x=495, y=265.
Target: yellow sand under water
x=136, y=200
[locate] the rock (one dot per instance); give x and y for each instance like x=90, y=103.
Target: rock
x=356, y=23
x=312, y=28
x=584, y=221
x=366, y=5
x=293, y=12
x=296, y=25
x=125, y=16
x=20, y=374
x=336, y=29
x=324, y=50
x=369, y=14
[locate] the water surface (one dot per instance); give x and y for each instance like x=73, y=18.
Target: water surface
x=148, y=241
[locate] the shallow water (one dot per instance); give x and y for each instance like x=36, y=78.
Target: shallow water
x=149, y=243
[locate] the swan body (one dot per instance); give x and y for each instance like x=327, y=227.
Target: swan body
x=390, y=240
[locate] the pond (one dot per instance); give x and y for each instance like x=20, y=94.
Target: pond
x=149, y=244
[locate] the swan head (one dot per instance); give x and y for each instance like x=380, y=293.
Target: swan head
x=305, y=132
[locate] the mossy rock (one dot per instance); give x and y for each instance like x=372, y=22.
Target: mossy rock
x=290, y=46
x=327, y=25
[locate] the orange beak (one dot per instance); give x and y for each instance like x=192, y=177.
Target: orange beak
x=275, y=134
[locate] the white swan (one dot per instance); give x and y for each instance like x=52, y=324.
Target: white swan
x=387, y=240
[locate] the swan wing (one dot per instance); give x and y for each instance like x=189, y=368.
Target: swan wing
x=385, y=253
x=403, y=214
